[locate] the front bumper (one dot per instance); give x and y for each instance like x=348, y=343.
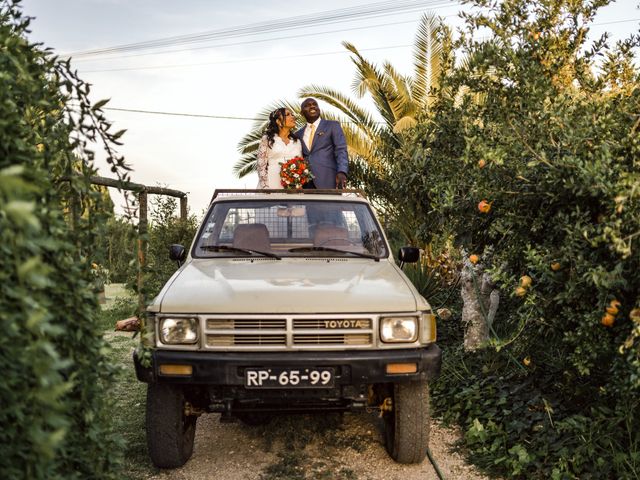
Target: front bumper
x=352, y=367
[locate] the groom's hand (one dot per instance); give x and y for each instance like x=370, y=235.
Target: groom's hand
x=341, y=180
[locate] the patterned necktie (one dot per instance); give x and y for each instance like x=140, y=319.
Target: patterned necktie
x=312, y=128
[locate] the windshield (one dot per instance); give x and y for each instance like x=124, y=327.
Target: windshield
x=297, y=228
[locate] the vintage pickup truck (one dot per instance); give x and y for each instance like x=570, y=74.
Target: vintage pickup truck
x=288, y=302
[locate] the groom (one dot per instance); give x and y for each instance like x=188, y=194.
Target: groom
x=324, y=147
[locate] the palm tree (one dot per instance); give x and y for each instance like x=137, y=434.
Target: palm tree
x=399, y=101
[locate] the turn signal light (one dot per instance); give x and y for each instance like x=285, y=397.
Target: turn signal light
x=402, y=367
x=168, y=369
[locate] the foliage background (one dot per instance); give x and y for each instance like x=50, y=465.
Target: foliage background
x=544, y=126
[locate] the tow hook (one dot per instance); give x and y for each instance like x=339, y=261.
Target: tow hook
x=191, y=411
x=386, y=406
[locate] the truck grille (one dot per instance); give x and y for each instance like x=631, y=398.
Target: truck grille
x=353, y=339
x=241, y=340
x=288, y=333
x=247, y=323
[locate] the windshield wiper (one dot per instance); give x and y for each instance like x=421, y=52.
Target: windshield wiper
x=329, y=249
x=226, y=248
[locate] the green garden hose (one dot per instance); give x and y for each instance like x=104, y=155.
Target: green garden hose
x=435, y=465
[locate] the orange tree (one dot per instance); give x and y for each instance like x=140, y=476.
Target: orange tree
x=544, y=127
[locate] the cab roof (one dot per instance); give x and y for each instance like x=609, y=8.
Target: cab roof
x=243, y=194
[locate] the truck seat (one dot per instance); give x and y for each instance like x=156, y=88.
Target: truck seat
x=252, y=236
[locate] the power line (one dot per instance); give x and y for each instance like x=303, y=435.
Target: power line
x=195, y=115
x=255, y=59
x=180, y=114
x=321, y=18
x=259, y=41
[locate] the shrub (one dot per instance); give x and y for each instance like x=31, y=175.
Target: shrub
x=164, y=229
x=119, y=244
x=532, y=125
x=55, y=378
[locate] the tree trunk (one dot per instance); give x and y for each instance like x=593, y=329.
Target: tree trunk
x=480, y=303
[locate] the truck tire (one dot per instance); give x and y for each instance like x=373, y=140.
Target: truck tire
x=407, y=424
x=170, y=433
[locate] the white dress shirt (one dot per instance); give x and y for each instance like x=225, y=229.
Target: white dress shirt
x=307, y=131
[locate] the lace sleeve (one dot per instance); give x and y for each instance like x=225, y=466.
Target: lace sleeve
x=262, y=162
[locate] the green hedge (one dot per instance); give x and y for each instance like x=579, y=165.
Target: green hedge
x=55, y=379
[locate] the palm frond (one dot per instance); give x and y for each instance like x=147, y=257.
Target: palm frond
x=360, y=145
x=398, y=92
x=370, y=80
x=405, y=122
x=246, y=165
x=427, y=64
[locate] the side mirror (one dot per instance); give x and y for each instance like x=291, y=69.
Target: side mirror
x=408, y=255
x=177, y=253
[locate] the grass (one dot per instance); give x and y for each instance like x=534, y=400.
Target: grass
x=128, y=394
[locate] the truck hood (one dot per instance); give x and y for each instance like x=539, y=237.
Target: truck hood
x=319, y=285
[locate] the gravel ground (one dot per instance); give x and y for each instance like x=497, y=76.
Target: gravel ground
x=356, y=451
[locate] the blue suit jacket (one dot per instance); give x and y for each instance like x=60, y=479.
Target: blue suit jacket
x=328, y=154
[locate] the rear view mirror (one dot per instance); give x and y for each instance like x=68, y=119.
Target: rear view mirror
x=290, y=211
x=408, y=255
x=177, y=253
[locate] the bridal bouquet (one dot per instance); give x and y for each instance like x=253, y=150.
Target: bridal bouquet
x=295, y=172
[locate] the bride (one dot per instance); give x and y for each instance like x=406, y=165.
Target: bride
x=278, y=144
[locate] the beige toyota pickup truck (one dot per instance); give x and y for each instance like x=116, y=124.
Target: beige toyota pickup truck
x=288, y=302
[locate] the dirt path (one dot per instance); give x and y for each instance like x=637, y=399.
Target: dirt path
x=305, y=447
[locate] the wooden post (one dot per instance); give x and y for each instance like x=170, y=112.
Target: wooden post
x=142, y=249
x=183, y=208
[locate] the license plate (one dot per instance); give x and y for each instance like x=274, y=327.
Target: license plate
x=270, y=377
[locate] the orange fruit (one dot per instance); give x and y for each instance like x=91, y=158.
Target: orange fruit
x=525, y=281
x=481, y=163
x=484, y=206
x=607, y=320
x=612, y=310
x=555, y=266
x=474, y=258
x=615, y=303
x=521, y=291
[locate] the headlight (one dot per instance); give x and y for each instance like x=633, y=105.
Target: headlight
x=175, y=331
x=398, y=329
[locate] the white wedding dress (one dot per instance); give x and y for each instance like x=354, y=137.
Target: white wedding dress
x=271, y=158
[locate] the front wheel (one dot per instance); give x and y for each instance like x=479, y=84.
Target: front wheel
x=170, y=432
x=407, y=424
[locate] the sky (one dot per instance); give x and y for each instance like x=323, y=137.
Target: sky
x=232, y=77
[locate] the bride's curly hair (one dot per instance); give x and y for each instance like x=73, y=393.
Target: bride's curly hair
x=273, y=128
